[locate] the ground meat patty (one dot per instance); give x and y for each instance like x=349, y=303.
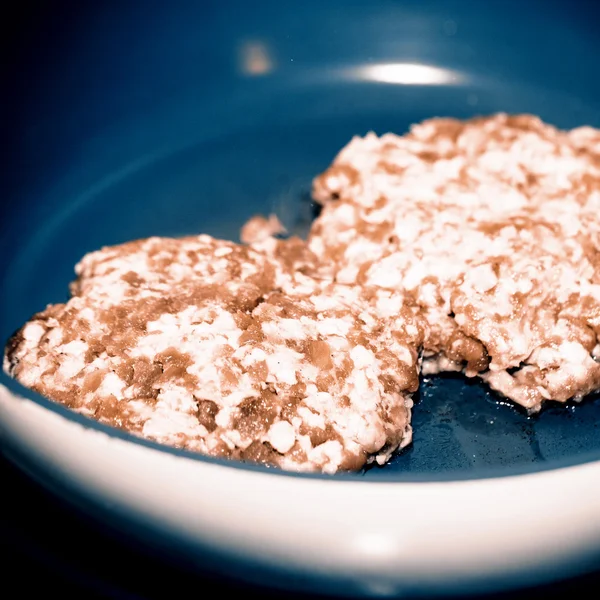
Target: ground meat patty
x=492, y=226
x=230, y=351
x=461, y=246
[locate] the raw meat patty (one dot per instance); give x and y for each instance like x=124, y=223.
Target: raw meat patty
x=230, y=351
x=492, y=226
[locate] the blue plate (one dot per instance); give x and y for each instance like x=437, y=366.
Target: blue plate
x=150, y=118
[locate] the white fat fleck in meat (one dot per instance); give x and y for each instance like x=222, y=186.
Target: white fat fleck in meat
x=290, y=329
x=482, y=278
x=33, y=332
x=332, y=326
x=283, y=366
x=112, y=385
x=362, y=357
x=328, y=455
x=70, y=366
x=164, y=424
x=282, y=436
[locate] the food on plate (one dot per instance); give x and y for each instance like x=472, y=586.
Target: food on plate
x=492, y=226
x=469, y=246
x=222, y=349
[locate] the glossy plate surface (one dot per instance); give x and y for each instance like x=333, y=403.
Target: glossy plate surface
x=156, y=119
